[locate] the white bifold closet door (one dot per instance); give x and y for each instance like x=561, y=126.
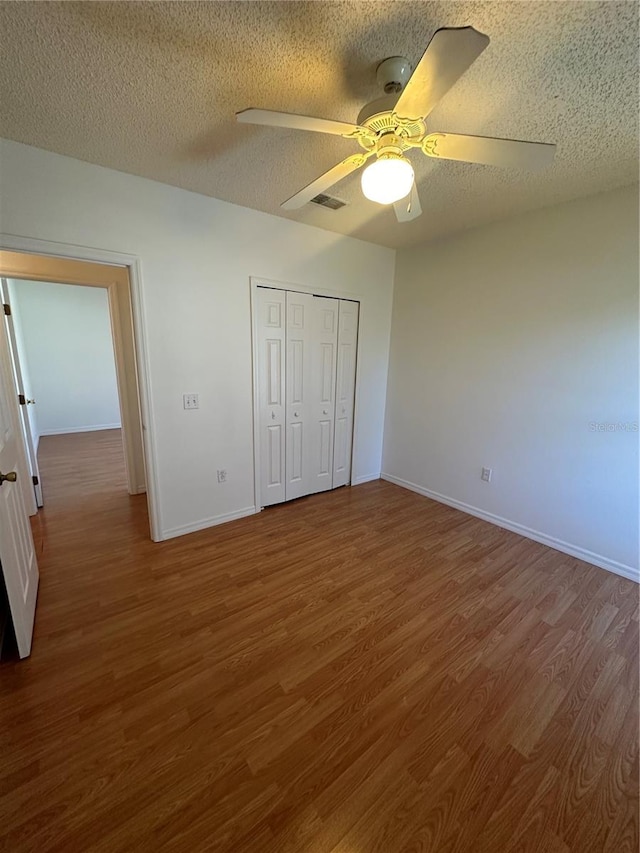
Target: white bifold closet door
x=312, y=341
x=306, y=349
x=271, y=324
x=345, y=391
x=298, y=393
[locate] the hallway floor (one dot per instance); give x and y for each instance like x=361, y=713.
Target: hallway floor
x=363, y=670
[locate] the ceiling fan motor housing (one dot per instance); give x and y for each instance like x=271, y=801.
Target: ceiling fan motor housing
x=393, y=74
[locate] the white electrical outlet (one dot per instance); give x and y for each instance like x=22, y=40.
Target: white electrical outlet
x=190, y=401
x=486, y=475
x=222, y=475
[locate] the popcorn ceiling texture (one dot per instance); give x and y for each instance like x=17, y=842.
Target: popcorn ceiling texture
x=152, y=88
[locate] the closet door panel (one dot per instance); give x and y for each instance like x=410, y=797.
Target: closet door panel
x=270, y=329
x=323, y=378
x=298, y=382
x=345, y=390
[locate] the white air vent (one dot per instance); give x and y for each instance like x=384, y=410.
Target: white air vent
x=328, y=201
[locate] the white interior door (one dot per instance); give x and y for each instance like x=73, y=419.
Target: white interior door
x=345, y=391
x=298, y=387
x=25, y=423
x=270, y=306
x=17, y=551
x=322, y=397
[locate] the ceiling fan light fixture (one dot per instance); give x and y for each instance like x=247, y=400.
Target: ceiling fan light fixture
x=387, y=180
x=396, y=123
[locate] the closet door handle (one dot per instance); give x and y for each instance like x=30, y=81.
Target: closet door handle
x=325, y=412
x=296, y=415
x=273, y=416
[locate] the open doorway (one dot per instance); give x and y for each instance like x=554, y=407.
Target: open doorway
x=94, y=512
x=65, y=376
x=72, y=333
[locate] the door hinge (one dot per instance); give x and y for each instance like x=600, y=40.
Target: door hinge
x=36, y=481
x=7, y=309
x=22, y=399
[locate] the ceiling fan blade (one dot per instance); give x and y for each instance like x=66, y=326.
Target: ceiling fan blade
x=489, y=151
x=325, y=181
x=272, y=118
x=408, y=208
x=448, y=55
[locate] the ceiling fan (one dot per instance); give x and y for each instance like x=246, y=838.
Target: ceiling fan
x=395, y=123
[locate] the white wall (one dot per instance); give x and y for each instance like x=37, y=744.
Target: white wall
x=197, y=255
x=508, y=343
x=68, y=351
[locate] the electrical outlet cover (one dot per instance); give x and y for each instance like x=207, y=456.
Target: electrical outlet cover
x=190, y=401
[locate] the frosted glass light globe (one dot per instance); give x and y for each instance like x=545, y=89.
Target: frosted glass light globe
x=387, y=180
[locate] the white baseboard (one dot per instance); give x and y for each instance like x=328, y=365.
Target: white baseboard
x=172, y=532
x=365, y=478
x=66, y=430
x=566, y=547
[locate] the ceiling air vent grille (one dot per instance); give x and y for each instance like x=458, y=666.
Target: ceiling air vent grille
x=328, y=201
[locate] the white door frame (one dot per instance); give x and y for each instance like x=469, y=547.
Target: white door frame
x=13, y=243
x=254, y=283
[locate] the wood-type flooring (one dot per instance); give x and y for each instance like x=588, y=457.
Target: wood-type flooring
x=362, y=670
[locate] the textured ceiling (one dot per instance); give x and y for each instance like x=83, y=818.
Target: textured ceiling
x=151, y=89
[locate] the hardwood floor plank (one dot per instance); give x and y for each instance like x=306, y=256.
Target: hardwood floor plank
x=363, y=669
